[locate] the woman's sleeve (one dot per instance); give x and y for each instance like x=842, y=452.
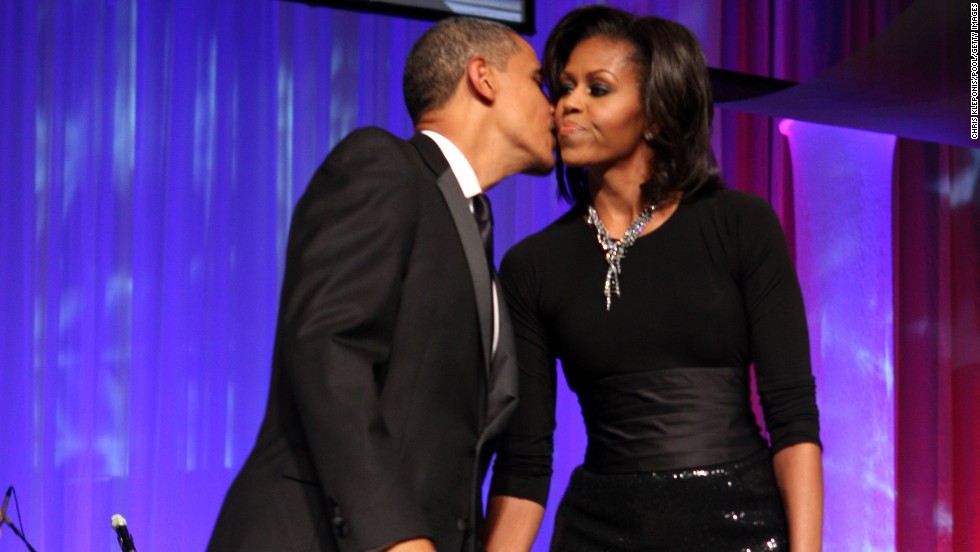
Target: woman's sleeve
x=779, y=339
x=523, y=464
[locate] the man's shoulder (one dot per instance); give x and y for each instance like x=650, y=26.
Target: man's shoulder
x=371, y=152
x=370, y=139
x=369, y=162
x=372, y=133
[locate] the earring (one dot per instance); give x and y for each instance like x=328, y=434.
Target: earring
x=648, y=136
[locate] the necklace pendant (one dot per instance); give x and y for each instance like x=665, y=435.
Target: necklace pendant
x=615, y=250
x=607, y=291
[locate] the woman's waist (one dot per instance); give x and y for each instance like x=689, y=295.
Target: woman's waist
x=689, y=471
x=665, y=419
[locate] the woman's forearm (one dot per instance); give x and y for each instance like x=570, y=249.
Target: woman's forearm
x=512, y=523
x=799, y=474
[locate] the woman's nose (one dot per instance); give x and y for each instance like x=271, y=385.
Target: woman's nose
x=570, y=102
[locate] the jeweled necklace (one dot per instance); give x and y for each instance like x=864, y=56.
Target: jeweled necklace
x=615, y=250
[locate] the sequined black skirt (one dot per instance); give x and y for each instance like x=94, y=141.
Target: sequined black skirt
x=726, y=507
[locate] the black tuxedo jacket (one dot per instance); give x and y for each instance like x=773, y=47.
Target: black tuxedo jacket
x=384, y=400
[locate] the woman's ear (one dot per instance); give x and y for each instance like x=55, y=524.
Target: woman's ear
x=481, y=78
x=653, y=129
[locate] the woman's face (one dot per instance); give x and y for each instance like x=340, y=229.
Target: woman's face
x=599, y=114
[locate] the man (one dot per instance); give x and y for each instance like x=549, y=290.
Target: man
x=393, y=366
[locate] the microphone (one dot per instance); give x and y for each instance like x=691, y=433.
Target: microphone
x=6, y=520
x=122, y=533
x=6, y=500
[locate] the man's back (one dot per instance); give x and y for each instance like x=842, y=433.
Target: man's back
x=417, y=345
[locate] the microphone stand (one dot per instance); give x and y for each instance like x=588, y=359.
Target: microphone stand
x=18, y=533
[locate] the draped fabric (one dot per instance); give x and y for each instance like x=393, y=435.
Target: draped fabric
x=151, y=152
x=937, y=324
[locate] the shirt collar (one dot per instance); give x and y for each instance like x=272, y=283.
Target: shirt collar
x=461, y=168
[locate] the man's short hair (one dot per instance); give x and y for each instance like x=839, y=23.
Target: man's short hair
x=438, y=60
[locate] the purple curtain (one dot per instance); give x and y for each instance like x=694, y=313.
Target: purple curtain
x=151, y=152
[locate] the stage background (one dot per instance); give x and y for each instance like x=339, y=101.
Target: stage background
x=151, y=152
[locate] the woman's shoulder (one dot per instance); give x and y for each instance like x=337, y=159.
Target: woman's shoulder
x=730, y=200
x=734, y=207
x=548, y=241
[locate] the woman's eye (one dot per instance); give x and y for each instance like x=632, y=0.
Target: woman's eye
x=598, y=90
x=565, y=88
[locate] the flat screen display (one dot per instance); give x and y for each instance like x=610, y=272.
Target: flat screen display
x=518, y=14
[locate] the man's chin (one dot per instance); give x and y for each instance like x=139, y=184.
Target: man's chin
x=542, y=168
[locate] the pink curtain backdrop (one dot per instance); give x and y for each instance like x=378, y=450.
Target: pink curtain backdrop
x=937, y=324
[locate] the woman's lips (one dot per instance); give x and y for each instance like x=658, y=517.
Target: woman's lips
x=568, y=128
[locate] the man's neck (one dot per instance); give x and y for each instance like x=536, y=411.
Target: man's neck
x=471, y=137
x=468, y=180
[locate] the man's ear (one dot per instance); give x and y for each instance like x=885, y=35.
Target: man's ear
x=482, y=78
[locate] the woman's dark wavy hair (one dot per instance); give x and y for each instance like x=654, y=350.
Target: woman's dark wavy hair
x=674, y=88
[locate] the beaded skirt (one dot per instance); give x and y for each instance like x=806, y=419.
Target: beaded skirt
x=726, y=507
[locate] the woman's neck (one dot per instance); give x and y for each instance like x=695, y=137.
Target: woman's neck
x=618, y=199
x=617, y=195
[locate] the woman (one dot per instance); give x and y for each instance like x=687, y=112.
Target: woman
x=656, y=291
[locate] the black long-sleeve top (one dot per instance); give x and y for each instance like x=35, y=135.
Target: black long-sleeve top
x=662, y=377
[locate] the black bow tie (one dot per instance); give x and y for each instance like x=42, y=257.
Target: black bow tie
x=484, y=221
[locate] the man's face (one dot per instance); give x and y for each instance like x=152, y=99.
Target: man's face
x=526, y=114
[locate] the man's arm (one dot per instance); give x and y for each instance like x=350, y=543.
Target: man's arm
x=348, y=251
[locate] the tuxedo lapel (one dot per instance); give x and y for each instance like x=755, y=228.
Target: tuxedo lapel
x=502, y=382
x=501, y=370
x=476, y=258
x=469, y=237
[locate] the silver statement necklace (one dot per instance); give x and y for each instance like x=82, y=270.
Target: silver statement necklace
x=615, y=250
